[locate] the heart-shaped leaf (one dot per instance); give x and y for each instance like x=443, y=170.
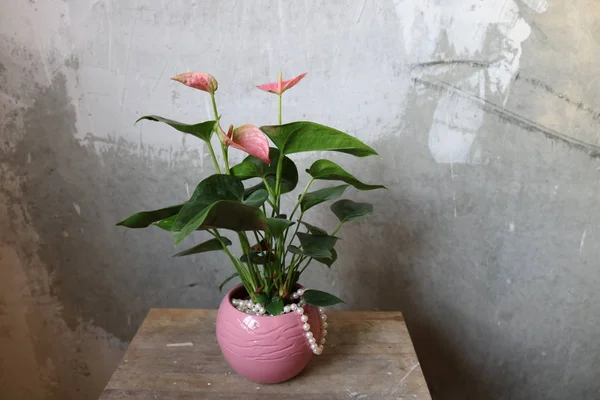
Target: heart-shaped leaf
x=257, y=198
x=315, y=230
x=328, y=260
x=330, y=171
x=229, y=278
x=321, y=299
x=209, y=245
x=252, y=167
x=203, y=130
x=146, y=218
x=275, y=307
x=302, y=136
x=217, y=203
x=314, y=253
x=319, y=196
x=316, y=246
x=278, y=225
x=348, y=210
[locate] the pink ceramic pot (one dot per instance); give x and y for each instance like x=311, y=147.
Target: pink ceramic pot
x=264, y=349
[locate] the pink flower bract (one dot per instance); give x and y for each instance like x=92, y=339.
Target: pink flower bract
x=279, y=87
x=198, y=80
x=247, y=138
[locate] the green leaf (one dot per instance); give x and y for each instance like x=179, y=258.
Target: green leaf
x=252, y=167
x=328, y=260
x=275, y=307
x=257, y=198
x=330, y=171
x=258, y=258
x=314, y=253
x=261, y=298
x=315, y=230
x=203, y=130
x=321, y=299
x=227, y=280
x=319, y=196
x=209, y=245
x=217, y=203
x=348, y=210
x=146, y=218
x=278, y=225
x=297, y=137
x=167, y=223
x=316, y=246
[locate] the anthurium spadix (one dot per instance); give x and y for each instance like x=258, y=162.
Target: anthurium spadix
x=247, y=138
x=198, y=80
x=281, y=86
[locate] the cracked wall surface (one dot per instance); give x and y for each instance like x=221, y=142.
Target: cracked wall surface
x=485, y=114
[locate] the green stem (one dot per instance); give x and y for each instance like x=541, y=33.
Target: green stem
x=254, y=273
x=279, y=110
x=225, y=152
x=223, y=146
x=292, y=239
x=338, y=228
x=301, y=197
x=242, y=272
x=214, y=157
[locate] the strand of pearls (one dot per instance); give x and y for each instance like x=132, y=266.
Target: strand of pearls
x=249, y=307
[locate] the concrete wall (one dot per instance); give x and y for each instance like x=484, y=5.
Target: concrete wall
x=485, y=113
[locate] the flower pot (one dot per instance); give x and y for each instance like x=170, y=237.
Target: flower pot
x=265, y=349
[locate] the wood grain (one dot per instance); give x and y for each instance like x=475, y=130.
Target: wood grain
x=368, y=355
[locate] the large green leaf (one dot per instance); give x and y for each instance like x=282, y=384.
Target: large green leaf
x=252, y=167
x=146, y=218
x=297, y=137
x=257, y=198
x=319, y=196
x=278, y=225
x=314, y=253
x=330, y=171
x=203, y=130
x=348, y=210
x=209, y=245
x=217, y=203
x=320, y=299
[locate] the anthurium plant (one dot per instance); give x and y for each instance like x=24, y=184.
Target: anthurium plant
x=277, y=245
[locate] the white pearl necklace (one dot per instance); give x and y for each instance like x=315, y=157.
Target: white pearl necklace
x=249, y=307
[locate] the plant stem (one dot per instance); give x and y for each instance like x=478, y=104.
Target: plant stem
x=246, y=280
x=301, y=197
x=223, y=146
x=338, y=228
x=214, y=157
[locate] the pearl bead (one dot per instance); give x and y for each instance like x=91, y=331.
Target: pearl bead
x=314, y=347
x=321, y=310
x=304, y=318
x=293, y=306
x=306, y=327
x=286, y=309
x=319, y=350
x=235, y=302
x=294, y=295
x=323, y=333
x=323, y=317
x=323, y=340
x=300, y=310
x=324, y=325
x=300, y=292
x=312, y=340
x=308, y=335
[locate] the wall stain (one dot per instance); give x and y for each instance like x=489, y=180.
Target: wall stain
x=512, y=117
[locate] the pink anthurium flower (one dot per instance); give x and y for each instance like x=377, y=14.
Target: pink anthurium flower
x=248, y=138
x=279, y=87
x=198, y=80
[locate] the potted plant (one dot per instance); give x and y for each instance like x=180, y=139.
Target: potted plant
x=269, y=326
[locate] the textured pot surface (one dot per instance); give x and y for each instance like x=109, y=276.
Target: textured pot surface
x=264, y=349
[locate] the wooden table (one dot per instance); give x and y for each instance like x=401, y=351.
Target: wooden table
x=174, y=355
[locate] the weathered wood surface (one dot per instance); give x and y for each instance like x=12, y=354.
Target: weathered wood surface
x=368, y=355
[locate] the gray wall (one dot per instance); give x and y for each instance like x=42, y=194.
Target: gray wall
x=485, y=114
